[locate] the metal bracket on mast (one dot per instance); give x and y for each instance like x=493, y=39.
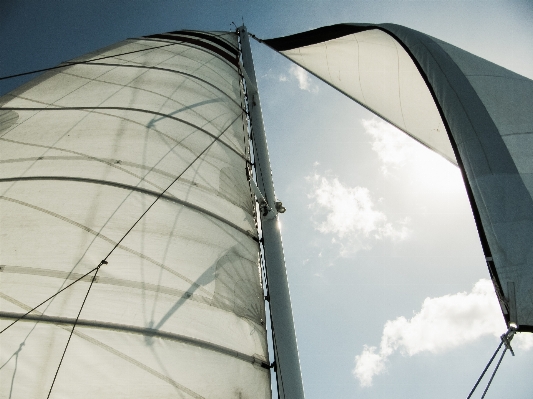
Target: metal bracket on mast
x=507, y=338
x=266, y=210
x=506, y=341
x=288, y=374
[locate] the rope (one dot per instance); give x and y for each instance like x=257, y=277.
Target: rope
x=166, y=189
x=505, y=340
x=484, y=371
x=104, y=261
x=74, y=326
x=46, y=300
x=80, y=62
x=494, y=373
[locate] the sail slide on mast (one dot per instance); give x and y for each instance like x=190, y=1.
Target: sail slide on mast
x=475, y=113
x=88, y=151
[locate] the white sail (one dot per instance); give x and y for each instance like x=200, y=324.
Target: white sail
x=374, y=69
x=86, y=150
x=485, y=113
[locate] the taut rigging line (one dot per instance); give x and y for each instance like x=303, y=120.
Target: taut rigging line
x=505, y=340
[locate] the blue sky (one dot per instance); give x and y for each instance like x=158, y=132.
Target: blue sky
x=407, y=232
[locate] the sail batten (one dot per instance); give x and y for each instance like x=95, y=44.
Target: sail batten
x=148, y=332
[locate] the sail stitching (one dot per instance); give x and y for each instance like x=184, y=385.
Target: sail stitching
x=157, y=69
x=185, y=107
x=192, y=48
x=23, y=316
x=209, y=37
x=112, y=163
x=227, y=61
x=399, y=81
x=214, y=49
x=168, y=187
x=104, y=261
x=147, y=332
x=117, y=244
x=168, y=197
x=117, y=282
x=115, y=352
x=216, y=44
x=89, y=109
x=107, y=239
x=2, y=137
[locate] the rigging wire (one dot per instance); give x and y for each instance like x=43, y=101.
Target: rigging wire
x=494, y=373
x=46, y=300
x=103, y=262
x=67, y=64
x=484, y=371
x=505, y=340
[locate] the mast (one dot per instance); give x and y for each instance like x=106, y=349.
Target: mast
x=288, y=374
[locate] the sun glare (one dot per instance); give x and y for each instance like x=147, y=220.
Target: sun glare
x=435, y=172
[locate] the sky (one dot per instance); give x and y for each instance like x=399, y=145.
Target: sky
x=389, y=286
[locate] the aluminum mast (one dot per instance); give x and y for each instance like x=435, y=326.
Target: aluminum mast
x=288, y=372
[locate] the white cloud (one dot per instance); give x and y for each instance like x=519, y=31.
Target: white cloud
x=304, y=81
x=442, y=324
x=394, y=148
x=523, y=341
x=348, y=213
x=367, y=365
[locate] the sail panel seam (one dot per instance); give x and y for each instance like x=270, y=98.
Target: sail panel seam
x=65, y=65
x=113, y=162
x=147, y=332
x=192, y=47
x=199, y=43
x=158, y=69
x=124, y=186
x=89, y=109
x=215, y=39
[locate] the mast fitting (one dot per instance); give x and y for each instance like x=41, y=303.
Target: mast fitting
x=507, y=338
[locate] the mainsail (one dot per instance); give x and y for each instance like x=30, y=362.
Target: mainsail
x=131, y=162
x=473, y=112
